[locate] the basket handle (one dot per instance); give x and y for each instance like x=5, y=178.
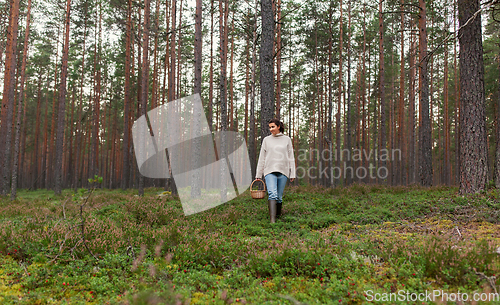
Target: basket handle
x=260, y=181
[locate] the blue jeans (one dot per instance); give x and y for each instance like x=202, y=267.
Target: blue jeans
x=275, y=183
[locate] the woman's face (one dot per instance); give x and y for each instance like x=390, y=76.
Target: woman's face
x=274, y=129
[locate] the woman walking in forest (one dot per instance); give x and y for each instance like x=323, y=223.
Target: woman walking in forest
x=277, y=164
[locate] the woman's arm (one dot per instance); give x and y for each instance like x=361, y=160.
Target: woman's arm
x=262, y=159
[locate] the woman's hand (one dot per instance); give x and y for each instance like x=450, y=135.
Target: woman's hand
x=291, y=180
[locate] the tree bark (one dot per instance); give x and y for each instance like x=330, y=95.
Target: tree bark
x=37, y=134
x=126, y=102
x=232, y=119
x=179, y=48
x=411, y=111
x=330, y=87
x=446, y=170
x=425, y=140
x=196, y=177
x=456, y=177
x=20, y=104
x=364, y=137
x=278, y=61
x=253, y=148
x=49, y=169
x=7, y=111
x=223, y=13
x=144, y=76
x=266, y=68
x=383, y=124
x=166, y=63
x=170, y=184
x=402, y=146
x=62, y=106
x=349, y=119
x=497, y=125
x=45, y=136
x=69, y=172
x=247, y=81
x=339, y=104
x=154, y=95
x=473, y=150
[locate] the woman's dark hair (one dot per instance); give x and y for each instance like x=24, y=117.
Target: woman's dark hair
x=277, y=123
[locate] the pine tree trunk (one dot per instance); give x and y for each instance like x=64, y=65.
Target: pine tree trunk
x=179, y=48
x=43, y=174
x=79, y=129
x=232, y=119
x=266, y=67
x=330, y=89
x=49, y=173
x=223, y=29
x=337, y=121
x=70, y=163
x=456, y=177
x=497, y=125
x=86, y=147
x=251, y=142
x=170, y=184
x=211, y=77
x=364, y=137
x=37, y=135
x=349, y=120
x=62, y=106
x=20, y=104
x=392, y=125
x=116, y=153
x=94, y=145
x=22, y=151
x=126, y=112
x=198, y=112
x=383, y=124
x=401, y=145
x=247, y=82
x=312, y=131
x=9, y=88
x=473, y=150
x=154, y=96
x=411, y=112
x=278, y=61
x=166, y=63
x=144, y=76
x=105, y=150
x=446, y=170
x=425, y=140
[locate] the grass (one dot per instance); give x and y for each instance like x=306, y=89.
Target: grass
x=331, y=246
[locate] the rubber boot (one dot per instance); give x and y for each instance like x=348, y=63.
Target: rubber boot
x=272, y=210
x=278, y=210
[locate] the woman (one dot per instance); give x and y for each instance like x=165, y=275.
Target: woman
x=277, y=164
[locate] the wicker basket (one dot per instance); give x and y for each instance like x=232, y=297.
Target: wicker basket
x=258, y=194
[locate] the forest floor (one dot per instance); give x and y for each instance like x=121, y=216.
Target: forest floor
x=353, y=245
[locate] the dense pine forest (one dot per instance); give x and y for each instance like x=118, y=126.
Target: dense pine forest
x=398, y=92
x=392, y=108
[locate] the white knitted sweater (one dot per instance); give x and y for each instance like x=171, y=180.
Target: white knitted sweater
x=276, y=155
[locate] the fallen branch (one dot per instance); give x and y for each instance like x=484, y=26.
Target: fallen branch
x=491, y=280
x=459, y=232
